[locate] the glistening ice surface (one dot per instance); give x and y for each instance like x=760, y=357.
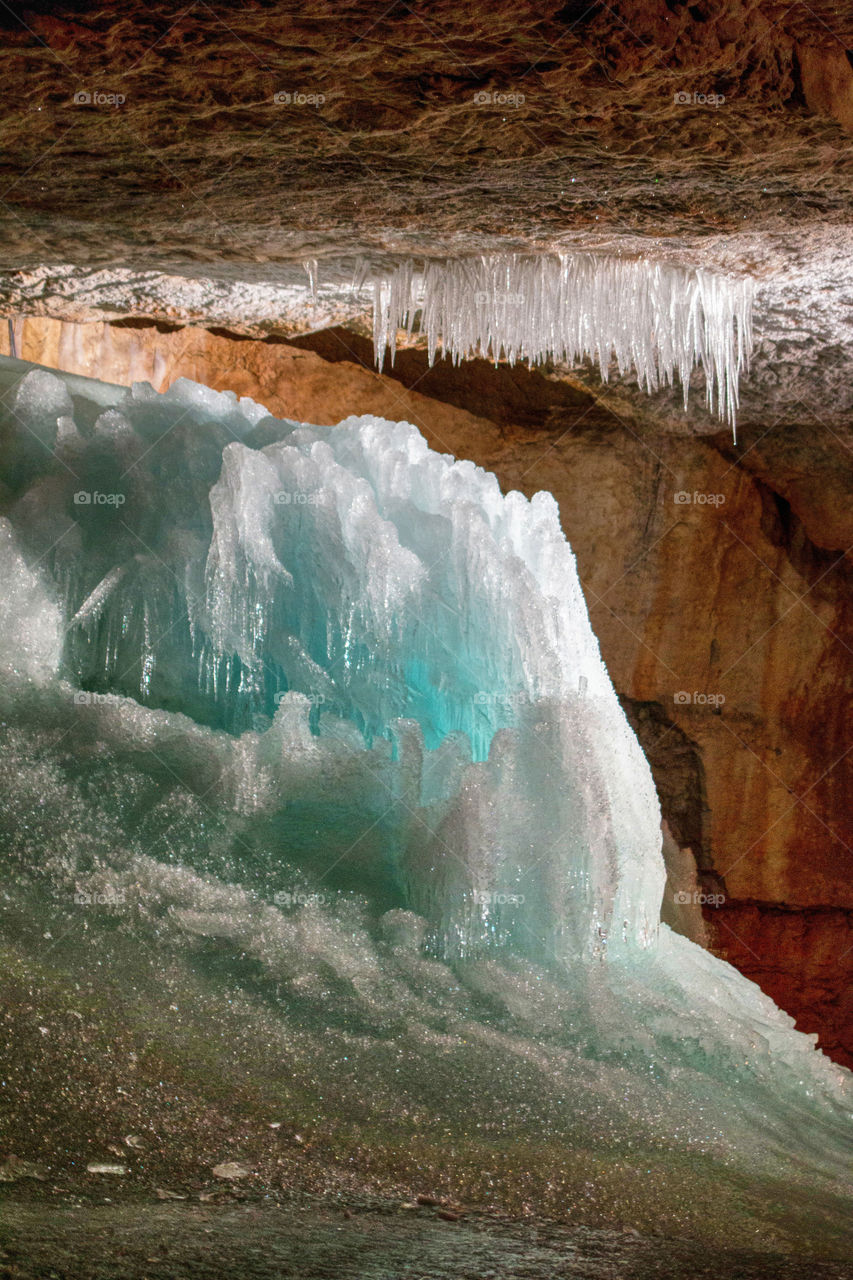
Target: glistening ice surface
x=660, y=320
x=320, y=810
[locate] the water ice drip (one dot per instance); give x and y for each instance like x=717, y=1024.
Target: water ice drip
x=660, y=320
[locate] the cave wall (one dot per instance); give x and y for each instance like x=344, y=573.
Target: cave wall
x=716, y=582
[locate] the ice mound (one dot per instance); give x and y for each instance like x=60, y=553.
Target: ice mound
x=331, y=702
x=30, y=622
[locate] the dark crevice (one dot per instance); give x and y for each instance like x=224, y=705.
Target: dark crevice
x=826, y=572
x=786, y=516
x=577, y=13
x=162, y=326
x=679, y=775
x=509, y=395
x=787, y=908
x=798, y=94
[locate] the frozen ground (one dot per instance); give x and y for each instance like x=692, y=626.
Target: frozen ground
x=365, y=1241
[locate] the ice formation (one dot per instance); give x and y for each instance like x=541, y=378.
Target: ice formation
x=661, y=320
x=333, y=700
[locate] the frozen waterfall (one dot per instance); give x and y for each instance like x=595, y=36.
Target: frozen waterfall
x=330, y=699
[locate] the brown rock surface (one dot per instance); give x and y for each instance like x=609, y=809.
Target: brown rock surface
x=147, y=133
x=827, y=78
x=726, y=621
x=708, y=136
x=802, y=958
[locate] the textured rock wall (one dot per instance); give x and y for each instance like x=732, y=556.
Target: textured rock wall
x=141, y=133
x=717, y=585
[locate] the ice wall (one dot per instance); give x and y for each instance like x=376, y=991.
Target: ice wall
x=293, y=651
x=406, y=632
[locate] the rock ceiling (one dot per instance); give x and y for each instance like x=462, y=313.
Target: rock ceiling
x=184, y=162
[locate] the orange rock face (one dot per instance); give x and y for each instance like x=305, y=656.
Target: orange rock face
x=718, y=587
x=827, y=79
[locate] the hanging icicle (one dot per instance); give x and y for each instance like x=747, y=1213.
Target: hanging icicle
x=658, y=319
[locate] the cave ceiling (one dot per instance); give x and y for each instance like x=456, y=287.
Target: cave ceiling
x=183, y=162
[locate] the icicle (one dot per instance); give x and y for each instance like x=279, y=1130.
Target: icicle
x=658, y=319
x=311, y=271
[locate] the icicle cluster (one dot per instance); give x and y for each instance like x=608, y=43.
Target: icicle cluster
x=659, y=319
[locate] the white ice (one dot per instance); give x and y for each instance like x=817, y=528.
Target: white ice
x=658, y=319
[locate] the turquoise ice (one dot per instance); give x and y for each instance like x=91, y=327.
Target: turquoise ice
x=333, y=700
